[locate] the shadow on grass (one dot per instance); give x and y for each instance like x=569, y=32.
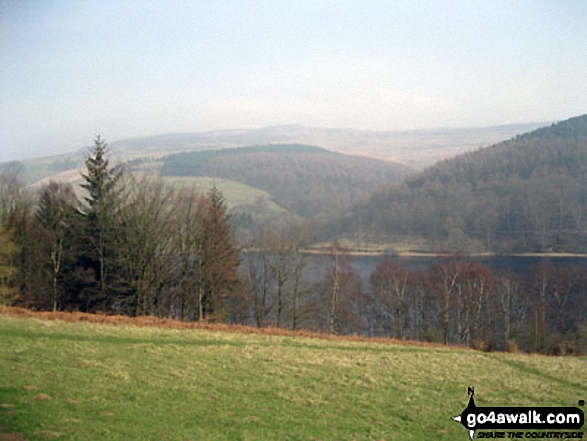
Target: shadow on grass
x=522, y=367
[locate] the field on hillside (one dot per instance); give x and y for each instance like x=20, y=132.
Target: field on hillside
x=238, y=196
x=82, y=381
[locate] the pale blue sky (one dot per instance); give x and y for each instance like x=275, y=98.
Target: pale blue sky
x=71, y=69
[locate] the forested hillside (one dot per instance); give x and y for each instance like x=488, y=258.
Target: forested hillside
x=525, y=194
x=305, y=179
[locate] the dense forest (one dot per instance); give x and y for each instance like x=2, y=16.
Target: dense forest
x=525, y=194
x=306, y=180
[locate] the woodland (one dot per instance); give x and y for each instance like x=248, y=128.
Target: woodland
x=127, y=243
x=130, y=246
x=306, y=180
x=528, y=194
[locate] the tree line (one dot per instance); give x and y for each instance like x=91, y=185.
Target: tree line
x=121, y=243
x=127, y=244
x=463, y=302
x=456, y=301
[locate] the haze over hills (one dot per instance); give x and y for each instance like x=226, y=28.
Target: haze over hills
x=362, y=169
x=525, y=194
x=415, y=148
x=477, y=201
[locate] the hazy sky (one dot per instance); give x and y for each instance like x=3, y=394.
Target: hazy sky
x=72, y=69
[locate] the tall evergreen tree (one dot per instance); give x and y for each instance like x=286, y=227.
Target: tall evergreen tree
x=101, y=184
x=219, y=260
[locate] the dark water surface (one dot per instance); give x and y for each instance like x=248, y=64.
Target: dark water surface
x=520, y=265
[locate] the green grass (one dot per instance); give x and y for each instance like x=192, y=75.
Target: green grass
x=122, y=382
x=236, y=194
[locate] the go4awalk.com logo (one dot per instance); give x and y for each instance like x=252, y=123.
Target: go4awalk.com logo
x=535, y=422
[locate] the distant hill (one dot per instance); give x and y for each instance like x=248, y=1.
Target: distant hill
x=415, y=148
x=557, y=149
x=525, y=194
x=260, y=181
x=572, y=128
x=307, y=180
x=33, y=170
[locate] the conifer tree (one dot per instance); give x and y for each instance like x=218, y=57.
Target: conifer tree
x=219, y=260
x=101, y=184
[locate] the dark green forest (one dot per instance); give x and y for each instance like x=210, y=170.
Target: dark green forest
x=528, y=194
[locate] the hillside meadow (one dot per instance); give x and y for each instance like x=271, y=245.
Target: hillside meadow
x=236, y=194
x=64, y=377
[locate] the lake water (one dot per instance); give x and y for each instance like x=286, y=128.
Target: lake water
x=520, y=265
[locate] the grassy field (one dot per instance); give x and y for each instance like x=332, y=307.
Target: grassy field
x=237, y=195
x=85, y=381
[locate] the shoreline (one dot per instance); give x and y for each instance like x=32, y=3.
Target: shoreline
x=368, y=253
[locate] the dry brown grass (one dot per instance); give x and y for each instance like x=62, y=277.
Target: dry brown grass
x=12, y=436
x=149, y=321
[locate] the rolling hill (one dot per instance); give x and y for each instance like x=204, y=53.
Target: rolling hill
x=239, y=197
x=414, y=148
x=525, y=194
x=332, y=183
x=306, y=180
x=262, y=180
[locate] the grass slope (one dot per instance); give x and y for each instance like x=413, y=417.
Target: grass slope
x=83, y=381
x=36, y=169
x=238, y=196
